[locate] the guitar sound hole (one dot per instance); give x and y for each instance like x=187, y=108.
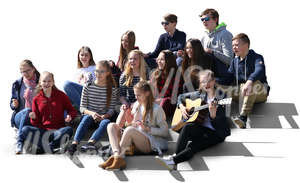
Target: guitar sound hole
x=191, y=111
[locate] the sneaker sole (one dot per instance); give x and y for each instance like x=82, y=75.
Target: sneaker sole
x=240, y=123
x=115, y=169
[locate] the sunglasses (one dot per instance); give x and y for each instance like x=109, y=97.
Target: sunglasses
x=164, y=23
x=205, y=19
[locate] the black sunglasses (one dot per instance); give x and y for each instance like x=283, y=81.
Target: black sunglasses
x=164, y=23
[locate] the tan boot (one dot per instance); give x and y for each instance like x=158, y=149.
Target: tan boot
x=107, y=163
x=130, y=151
x=118, y=163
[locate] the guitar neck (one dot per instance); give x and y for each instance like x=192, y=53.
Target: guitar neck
x=201, y=107
x=221, y=102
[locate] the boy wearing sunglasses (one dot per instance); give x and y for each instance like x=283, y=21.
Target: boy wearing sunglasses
x=173, y=40
x=216, y=41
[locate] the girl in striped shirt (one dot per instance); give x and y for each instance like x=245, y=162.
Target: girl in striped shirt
x=97, y=105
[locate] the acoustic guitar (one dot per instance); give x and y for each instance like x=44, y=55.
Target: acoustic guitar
x=193, y=108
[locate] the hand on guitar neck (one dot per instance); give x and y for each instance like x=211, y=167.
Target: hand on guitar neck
x=212, y=107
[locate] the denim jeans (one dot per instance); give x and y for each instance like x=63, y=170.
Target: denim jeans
x=44, y=139
x=85, y=123
x=73, y=91
x=179, y=61
x=22, y=119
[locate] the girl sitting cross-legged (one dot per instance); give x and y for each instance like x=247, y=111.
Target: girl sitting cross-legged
x=147, y=130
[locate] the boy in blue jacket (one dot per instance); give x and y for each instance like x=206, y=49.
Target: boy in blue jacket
x=248, y=71
x=173, y=40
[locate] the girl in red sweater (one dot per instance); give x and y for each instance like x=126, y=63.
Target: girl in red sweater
x=47, y=116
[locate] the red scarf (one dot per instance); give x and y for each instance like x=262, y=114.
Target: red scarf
x=29, y=91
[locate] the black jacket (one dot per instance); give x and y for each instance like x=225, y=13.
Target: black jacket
x=219, y=123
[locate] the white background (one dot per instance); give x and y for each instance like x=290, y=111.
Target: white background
x=50, y=34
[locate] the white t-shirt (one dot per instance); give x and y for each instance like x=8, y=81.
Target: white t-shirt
x=85, y=75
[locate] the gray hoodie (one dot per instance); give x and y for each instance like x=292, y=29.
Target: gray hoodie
x=220, y=41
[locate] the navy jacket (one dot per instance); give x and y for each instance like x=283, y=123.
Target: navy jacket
x=166, y=42
x=219, y=123
x=15, y=94
x=253, y=67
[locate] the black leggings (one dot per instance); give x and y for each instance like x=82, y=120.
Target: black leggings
x=201, y=138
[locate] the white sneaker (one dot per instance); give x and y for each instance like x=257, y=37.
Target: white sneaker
x=167, y=162
x=19, y=148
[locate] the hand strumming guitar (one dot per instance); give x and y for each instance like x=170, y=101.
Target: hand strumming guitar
x=184, y=112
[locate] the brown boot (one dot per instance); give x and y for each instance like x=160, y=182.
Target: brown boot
x=130, y=151
x=107, y=163
x=119, y=163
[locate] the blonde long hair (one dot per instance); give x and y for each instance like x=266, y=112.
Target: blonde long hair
x=39, y=86
x=144, y=87
x=129, y=72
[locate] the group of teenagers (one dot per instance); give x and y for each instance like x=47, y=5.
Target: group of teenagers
x=132, y=99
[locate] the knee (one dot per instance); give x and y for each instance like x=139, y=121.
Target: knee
x=86, y=120
x=187, y=128
x=179, y=61
x=111, y=126
x=69, y=131
x=25, y=129
x=104, y=123
x=129, y=130
x=67, y=85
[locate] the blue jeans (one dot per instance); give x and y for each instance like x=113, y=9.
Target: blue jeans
x=22, y=119
x=45, y=139
x=85, y=123
x=73, y=91
x=179, y=61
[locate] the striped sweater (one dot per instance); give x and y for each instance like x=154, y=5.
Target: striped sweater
x=94, y=99
x=128, y=92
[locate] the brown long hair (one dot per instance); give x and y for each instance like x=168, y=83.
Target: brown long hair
x=199, y=56
x=85, y=49
x=110, y=82
x=144, y=87
x=123, y=52
x=129, y=72
x=39, y=86
x=170, y=62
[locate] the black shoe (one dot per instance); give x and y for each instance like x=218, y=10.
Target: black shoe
x=72, y=149
x=241, y=121
x=105, y=151
x=88, y=147
x=34, y=149
x=59, y=150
